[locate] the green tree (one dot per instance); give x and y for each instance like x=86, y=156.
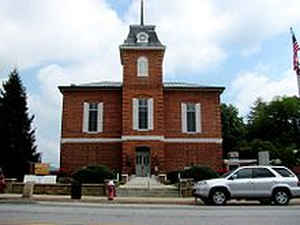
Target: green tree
x=275, y=127
x=233, y=128
x=277, y=121
x=18, y=146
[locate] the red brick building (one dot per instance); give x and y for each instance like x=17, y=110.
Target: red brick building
x=142, y=125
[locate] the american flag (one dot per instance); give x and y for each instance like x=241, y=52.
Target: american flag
x=296, y=48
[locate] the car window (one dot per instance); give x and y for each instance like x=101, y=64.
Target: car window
x=262, y=173
x=283, y=172
x=244, y=173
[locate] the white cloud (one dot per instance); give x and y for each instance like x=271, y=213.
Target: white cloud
x=37, y=32
x=198, y=33
x=248, y=86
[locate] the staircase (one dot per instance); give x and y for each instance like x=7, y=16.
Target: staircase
x=146, y=187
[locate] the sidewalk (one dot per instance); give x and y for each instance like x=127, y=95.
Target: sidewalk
x=17, y=198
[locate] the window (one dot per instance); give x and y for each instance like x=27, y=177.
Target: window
x=191, y=117
x=262, y=173
x=143, y=114
x=244, y=174
x=142, y=67
x=283, y=172
x=93, y=117
x=142, y=37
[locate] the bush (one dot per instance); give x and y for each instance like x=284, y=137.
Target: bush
x=199, y=173
x=94, y=174
x=172, y=177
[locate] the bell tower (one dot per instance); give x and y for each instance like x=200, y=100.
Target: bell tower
x=142, y=56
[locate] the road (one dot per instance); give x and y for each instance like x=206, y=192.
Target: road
x=95, y=214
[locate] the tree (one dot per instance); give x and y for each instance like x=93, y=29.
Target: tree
x=277, y=121
x=275, y=127
x=18, y=145
x=233, y=128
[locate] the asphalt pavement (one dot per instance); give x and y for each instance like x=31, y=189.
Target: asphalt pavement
x=86, y=213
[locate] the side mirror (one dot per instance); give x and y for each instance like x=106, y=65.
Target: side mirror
x=233, y=177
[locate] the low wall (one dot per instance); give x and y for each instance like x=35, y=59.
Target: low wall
x=57, y=189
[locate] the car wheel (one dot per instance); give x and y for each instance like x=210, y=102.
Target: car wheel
x=218, y=197
x=281, y=197
x=265, y=202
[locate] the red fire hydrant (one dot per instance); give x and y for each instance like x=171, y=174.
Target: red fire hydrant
x=111, y=190
x=2, y=182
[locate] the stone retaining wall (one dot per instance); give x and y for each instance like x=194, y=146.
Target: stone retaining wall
x=57, y=189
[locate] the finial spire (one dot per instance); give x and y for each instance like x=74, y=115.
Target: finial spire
x=142, y=13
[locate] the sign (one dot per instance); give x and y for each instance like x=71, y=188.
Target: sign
x=41, y=169
x=40, y=179
x=264, y=158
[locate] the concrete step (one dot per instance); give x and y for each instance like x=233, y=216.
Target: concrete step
x=144, y=192
x=143, y=182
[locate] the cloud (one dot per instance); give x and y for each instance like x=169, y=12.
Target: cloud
x=201, y=34
x=38, y=32
x=248, y=86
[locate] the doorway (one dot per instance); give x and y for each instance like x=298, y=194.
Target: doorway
x=142, y=166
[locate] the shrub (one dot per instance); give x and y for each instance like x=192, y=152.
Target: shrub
x=199, y=173
x=172, y=177
x=93, y=174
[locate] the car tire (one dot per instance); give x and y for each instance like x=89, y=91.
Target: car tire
x=281, y=197
x=218, y=197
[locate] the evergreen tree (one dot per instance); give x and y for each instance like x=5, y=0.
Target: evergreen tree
x=18, y=145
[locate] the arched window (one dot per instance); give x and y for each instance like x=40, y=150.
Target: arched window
x=142, y=67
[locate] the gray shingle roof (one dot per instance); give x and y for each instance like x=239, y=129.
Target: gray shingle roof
x=100, y=84
x=118, y=85
x=131, y=41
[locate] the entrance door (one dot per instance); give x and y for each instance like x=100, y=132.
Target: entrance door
x=142, y=162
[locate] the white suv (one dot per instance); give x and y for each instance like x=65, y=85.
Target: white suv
x=264, y=183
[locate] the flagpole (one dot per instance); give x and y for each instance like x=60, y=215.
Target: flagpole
x=298, y=77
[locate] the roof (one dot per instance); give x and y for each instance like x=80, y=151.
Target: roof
x=132, y=43
x=118, y=85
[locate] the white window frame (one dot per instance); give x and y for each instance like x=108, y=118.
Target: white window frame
x=86, y=109
x=184, y=118
x=135, y=116
x=142, y=67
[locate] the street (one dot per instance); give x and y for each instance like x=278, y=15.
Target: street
x=53, y=213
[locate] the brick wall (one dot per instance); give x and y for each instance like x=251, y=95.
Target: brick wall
x=143, y=87
x=210, y=113
x=72, y=118
x=178, y=156
x=77, y=155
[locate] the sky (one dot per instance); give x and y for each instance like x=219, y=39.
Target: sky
x=244, y=46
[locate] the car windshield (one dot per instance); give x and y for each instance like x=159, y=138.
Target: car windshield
x=283, y=172
x=226, y=174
